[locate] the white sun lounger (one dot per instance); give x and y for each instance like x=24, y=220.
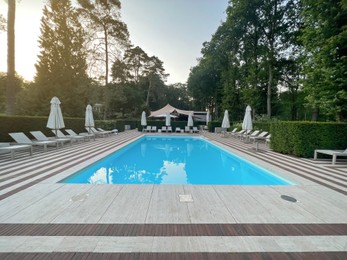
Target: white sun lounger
x=333, y=153
x=21, y=138
x=7, y=148
x=42, y=137
x=147, y=129
x=61, y=135
x=72, y=133
x=96, y=132
x=259, y=138
x=105, y=131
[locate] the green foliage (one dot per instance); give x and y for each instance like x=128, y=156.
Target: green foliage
x=61, y=68
x=263, y=126
x=259, y=50
x=302, y=138
x=243, y=63
x=324, y=37
x=26, y=124
x=18, y=85
x=106, y=34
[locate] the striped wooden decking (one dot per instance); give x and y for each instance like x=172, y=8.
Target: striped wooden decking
x=43, y=219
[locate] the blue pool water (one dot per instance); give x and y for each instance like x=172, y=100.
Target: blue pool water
x=174, y=160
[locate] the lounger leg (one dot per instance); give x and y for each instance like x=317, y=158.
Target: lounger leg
x=334, y=159
x=31, y=151
x=315, y=155
x=256, y=145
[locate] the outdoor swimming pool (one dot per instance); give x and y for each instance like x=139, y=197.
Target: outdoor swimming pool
x=174, y=160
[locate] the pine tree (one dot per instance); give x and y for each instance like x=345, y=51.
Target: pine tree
x=61, y=69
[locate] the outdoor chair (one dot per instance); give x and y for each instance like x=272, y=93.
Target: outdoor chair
x=169, y=129
x=187, y=129
x=333, y=153
x=154, y=129
x=42, y=137
x=147, y=129
x=239, y=133
x=268, y=140
x=233, y=131
x=247, y=132
x=60, y=134
x=195, y=129
x=72, y=133
x=178, y=130
x=21, y=138
x=92, y=130
x=247, y=137
x=163, y=128
x=105, y=131
x=7, y=148
x=259, y=138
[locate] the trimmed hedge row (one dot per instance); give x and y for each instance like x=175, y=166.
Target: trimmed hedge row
x=26, y=124
x=302, y=138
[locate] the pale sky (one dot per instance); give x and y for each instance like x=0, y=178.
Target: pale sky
x=172, y=30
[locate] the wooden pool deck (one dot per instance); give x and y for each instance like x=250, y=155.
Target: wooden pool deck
x=40, y=218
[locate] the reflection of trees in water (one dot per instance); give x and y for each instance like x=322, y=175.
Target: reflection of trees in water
x=173, y=173
x=101, y=176
x=168, y=167
x=132, y=175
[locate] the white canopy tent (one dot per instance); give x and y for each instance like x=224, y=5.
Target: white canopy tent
x=170, y=109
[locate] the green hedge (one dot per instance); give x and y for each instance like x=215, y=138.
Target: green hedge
x=302, y=138
x=263, y=126
x=26, y=124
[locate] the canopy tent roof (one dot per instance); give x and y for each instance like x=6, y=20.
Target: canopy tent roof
x=169, y=109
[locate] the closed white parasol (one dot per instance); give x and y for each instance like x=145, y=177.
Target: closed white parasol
x=55, y=119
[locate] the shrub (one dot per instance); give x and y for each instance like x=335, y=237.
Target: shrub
x=302, y=138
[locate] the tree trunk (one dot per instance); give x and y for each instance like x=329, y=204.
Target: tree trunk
x=11, y=83
x=106, y=73
x=269, y=88
x=149, y=90
x=315, y=113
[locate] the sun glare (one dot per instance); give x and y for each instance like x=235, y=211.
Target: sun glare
x=26, y=33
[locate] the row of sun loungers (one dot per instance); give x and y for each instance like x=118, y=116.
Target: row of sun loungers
x=168, y=129
x=257, y=136
x=24, y=143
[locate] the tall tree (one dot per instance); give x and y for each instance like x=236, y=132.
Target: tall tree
x=156, y=76
x=325, y=43
x=107, y=33
x=61, y=69
x=11, y=71
x=135, y=60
